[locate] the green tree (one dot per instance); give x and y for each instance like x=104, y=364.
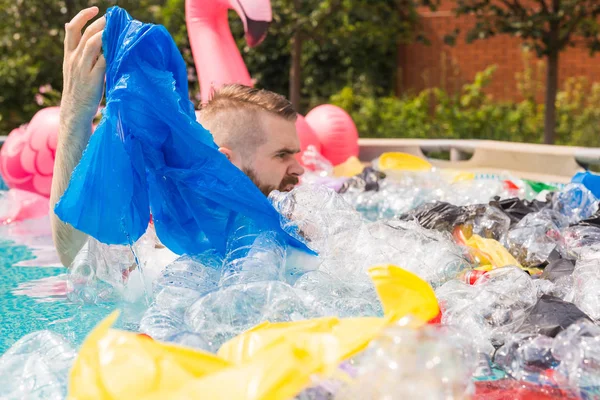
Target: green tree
x=31, y=51
x=548, y=26
x=327, y=44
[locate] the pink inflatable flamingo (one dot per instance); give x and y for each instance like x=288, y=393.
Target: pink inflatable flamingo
x=218, y=61
x=27, y=156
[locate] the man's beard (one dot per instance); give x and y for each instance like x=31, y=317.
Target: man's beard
x=267, y=189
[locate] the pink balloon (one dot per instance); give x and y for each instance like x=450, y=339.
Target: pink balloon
x=18, y=205
x=27, y=156
x=336, y=132
x=306, y=135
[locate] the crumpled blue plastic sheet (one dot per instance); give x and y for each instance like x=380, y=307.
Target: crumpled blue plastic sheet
x=148, y=154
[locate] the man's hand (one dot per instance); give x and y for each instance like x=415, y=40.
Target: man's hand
x=83, y=68
x=83, y=71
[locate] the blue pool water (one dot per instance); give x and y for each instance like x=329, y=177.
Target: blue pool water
x=33, y=297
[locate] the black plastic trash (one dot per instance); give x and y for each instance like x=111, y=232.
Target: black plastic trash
x=367, y=181
x=557, y=269
x=443, y=216
x=517, y=209
x=551, y=315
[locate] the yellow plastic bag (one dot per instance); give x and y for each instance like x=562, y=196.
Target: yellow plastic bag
x=403, y=293
x=115, y=364
x=270, y=361
x=403, y=162
x=491, y=252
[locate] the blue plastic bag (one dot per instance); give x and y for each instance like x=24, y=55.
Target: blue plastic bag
x=590, y=180
x=148, y=154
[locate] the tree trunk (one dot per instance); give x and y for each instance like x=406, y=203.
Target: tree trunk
x=296, y=67
x=550, y=107
x=296, y=71
x=398, y=77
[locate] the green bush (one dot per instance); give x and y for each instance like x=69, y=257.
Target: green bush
x=471, y=114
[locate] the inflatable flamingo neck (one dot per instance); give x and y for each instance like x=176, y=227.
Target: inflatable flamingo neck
x=217, y=58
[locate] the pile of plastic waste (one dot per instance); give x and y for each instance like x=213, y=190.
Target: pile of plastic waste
x=516, y=281
x=423, y=283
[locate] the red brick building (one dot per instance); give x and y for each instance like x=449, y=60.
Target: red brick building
x=449, y=67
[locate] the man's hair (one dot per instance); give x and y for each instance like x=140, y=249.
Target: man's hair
x=249, y=98
x=231, y=115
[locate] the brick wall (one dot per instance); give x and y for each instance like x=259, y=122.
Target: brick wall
x=440, y=65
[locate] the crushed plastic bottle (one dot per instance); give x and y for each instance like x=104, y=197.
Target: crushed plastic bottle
x=102, y=273
x=492, y=308
x=586, y=281
x=262, y=260
x=575, y=202
x=36, y=367
x=429, y=363
x=180, y=285
x=536, y=236
x=577, y=349
x=222, y=314
x=527, y=358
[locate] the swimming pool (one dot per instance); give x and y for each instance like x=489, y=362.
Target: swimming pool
x=33, y=288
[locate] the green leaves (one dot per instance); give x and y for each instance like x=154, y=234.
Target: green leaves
x=470, y=113
x=535, y=22
x=31, y=51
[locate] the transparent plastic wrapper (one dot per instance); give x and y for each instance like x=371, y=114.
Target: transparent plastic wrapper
x=388, y=202
x=348, y=244
x=494, y=307
x=477, y=191
x=393, y=196
x=492, y=224
x=579, y=236
x=575, y=202
x=429, y=363
x=577, y=349
x=586, y=284
x=317, y=212
x=527, y=358
x=139, y=156
x=536, y=236
x=36, y=367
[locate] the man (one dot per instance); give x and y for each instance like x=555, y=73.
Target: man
x=254, y=128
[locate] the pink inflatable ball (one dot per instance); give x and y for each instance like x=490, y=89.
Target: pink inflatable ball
x=307, y=137
x=18, y=205
x=336, y=132
x=27, y=156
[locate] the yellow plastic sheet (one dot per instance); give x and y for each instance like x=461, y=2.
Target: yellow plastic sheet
x=403, y=162
x=271, y=361
x=403, y=293
x=491, y=252
x=115, y=364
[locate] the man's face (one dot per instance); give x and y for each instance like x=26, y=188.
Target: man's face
x=273, y=165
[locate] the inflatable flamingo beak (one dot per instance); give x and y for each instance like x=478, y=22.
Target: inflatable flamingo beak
x=256, y=16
